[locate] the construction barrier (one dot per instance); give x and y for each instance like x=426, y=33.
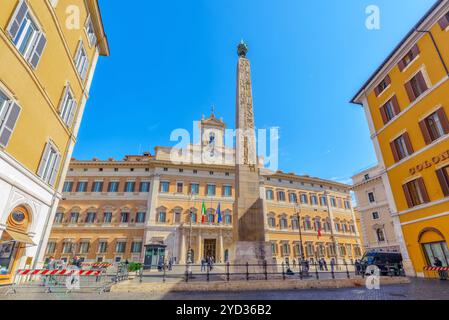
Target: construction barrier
x=60, y=280
x=436, y=272
x=97, y=264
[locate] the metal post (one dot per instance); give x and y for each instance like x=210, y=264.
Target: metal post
x=316, y=271
x=141, y=274
x=227, y=271
x=247, y=271
x=164, y=274
x=347, y=271
x=332, y=271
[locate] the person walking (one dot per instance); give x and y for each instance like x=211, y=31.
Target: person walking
x=357, y=267
x=438, y=263
x=332, y=264
x=203, y=265
x=325, y=264
x=320, y=264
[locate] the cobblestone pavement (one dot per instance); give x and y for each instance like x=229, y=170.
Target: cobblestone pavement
x=420, y=289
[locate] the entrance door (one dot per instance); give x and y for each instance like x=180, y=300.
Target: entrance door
x=210, y=248
x=154, y=256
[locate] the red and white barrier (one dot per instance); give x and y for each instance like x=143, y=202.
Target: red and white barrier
x=63, y=272
x=97, y=264
x=436, y=268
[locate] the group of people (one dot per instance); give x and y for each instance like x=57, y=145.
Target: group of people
x=207, y=262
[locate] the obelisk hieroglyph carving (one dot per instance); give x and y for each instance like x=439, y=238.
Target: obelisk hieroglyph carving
x=249, y=217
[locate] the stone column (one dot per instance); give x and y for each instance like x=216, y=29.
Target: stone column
x=221, y=247
x=182, y=257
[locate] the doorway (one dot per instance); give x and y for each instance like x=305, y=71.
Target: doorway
x=210, y=248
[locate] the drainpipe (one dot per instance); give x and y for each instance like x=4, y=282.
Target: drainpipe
x=436, y=48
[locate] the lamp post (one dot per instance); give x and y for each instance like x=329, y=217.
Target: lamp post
x=298, y=212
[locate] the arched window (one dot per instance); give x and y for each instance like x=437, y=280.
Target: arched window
x=228, y=218
x=303, y=198
x=307, y=224
x=317, y=223
x=270, y=194
x=210, y=217
x=162, y=218
x=292, y=197
x=283, y=223
x=272, y=222
x=295, y=225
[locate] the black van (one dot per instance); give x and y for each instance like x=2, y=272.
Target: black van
x=389, y=263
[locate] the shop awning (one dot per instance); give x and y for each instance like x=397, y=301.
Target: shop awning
x=20, y=237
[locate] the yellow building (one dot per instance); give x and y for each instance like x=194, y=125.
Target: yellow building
x=48, y=53
x=406, y=102
x=140, y=208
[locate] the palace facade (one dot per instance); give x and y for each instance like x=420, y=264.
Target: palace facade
x=46, y=70
x=147, y=206
x=406, y=102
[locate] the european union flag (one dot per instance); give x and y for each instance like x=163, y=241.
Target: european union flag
x=219, y=213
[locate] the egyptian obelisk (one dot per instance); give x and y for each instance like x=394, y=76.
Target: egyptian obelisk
x=249, y=218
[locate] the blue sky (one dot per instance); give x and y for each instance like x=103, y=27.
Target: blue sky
x=171, y=60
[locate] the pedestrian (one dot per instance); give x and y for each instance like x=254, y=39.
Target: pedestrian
x=439, y=264
x=320, y=264
x=170, y=263
x=332, y=264
x=357, y=267
x=203, y=264
x=325, y=264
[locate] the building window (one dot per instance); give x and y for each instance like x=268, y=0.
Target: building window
x=81, y=61
x=81, y=186
x=161, y=217
x=67, y=247
x=102, y=247
x=437, y=250
x=59, y=217
x=107, y=217
x=84, y=247
x=210, y=217
x=317, y=223
x=295, y=224
x=113, y=186
x=194, y=188
x=409, y=57
x=9, y=113
x=227, y=191
x=416, y=193
x=136, y=247
x=307, y=224
x=90, y=217
x=323, y=201
x=337, y=227
x=303, y=198
x=120, y=246
x=228, y=219
x=333, y=202
x=375, y=215
x=292, y=197
x=274, y=248
x=285, y=249
x=443, y=178
x=193, y=217
x=211, y=190
x=144, y=186
x=130, y=186
x=314, y=200
x=49, y=165
x=416, y=86
x=281, y=196
x=434, y=126
x=68, y=107
x=68, y=186
x=309, y=249
x=164, y=186
x=380, y=235
x=74, y=217
x=26, y=35
x=283, y=223
x=389, y=110
x=124, y=217
x=51, y=247
x=97, y=186
x=401, y=147
x=371, y=197
x=90, y=31
x=272, y=222
x=382, y=85
x=269, y=194
x=140, y=217
x=179, y=187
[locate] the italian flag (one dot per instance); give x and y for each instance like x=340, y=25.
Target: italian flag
x=203, y=213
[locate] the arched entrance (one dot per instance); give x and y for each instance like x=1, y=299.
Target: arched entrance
x=434, y=246
x=13, y=241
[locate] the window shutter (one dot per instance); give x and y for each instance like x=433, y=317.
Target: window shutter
x=387, y=80
x=401, y=65
x=10, y=122
x=17, y=19
x=85, y=69
x=423, y=189
x=383, y=113
x=377, y=91
x=444, y=181
x=72, y=113
x=410, y=92
x=55, y=171
x=394, y=151
x=443, y=120
x=44, y=160
x=408, y=143
x=425, y=132
x=38, y=50
x=408, y=197
x=395, y=104
x=444, y=22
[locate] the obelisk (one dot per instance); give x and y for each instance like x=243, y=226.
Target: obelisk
x=248, y=218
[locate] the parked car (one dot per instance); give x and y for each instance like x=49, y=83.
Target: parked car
x=389, y=263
